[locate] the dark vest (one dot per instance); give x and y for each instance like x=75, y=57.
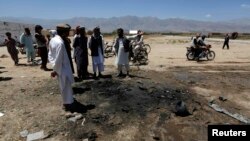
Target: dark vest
x=81, y=43
x=138, y=38
x=126, y=44
x=94, y=44
x=68, y=50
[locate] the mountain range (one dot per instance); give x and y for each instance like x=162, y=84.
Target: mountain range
x=147, y=24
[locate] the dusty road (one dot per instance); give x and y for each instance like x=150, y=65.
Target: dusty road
x=137, y=108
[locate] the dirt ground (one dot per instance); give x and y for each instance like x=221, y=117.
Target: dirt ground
x=140, y=108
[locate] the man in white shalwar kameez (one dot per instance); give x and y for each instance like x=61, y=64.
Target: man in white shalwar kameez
x=121, y=48
x=96, y=45
x=61, y=65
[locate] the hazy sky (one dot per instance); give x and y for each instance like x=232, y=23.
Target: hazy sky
x=212, y=10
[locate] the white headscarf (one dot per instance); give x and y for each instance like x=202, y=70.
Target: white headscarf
x=53, y=33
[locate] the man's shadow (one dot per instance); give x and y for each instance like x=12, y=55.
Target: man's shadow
x=24, y=65
x=80, y=90
x=80, y=108
x=3, y=71
x=5, y=78
x=49, y=70
x=107, y=76
x=132, y=76
x=91, y=76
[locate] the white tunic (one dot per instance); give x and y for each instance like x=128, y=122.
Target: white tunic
x=98, y=59
x=61, y=65
x=122, y=56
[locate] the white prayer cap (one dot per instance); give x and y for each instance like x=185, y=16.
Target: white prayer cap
x=53, y=33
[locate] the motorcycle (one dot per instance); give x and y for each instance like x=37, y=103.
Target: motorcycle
x=108, y=52
x=206, y=52
x=22, y=50
x=141, y=57
x=143, y=45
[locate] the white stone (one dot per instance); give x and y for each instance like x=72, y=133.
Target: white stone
x=24, y=133
x=36, y=136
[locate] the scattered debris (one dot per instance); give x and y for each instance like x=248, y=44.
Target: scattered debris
x=233, y=115
x=125, y=109
x=36, y=136
x=24, y=133
x=51, y=93
x=181, y=109
x=221, y=98
x=212, y=100
x=139, y=82
x=83, y=121
x=85, y=140
x=166, y=91
x=92, y=136
x=191, y=82
x=156, y=138
x=75, y=118
x=142, y=88
x=178, y=91
x=100, y=119
x=161, y=66
x=1, y=114
x=23, y=90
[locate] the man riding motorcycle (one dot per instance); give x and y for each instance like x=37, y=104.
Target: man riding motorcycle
x=137, y=42
x=199, y=49
x=198, y=44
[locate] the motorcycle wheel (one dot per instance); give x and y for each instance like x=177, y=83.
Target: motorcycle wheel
x=211, y=55
x=148, y=48
x=108, y=52
x=143, y=57
x=190, y=56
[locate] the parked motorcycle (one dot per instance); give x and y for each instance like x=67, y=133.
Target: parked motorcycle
x=144, y=46
x=22, y=50
x=108, y=52
x=140, y=58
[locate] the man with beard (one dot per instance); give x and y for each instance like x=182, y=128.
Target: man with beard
x=60, y=61
x=11, y=47
x=27, y=42
x=226, y=42
x=121, y=48
x=42, y=47
x=67, y=43
x=80, y=45
x=138, y=42
x=96, y=45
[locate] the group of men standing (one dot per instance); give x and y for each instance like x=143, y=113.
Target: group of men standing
x=57, y=51
x=61, y=62
x=26, y=42
x=95, y=43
